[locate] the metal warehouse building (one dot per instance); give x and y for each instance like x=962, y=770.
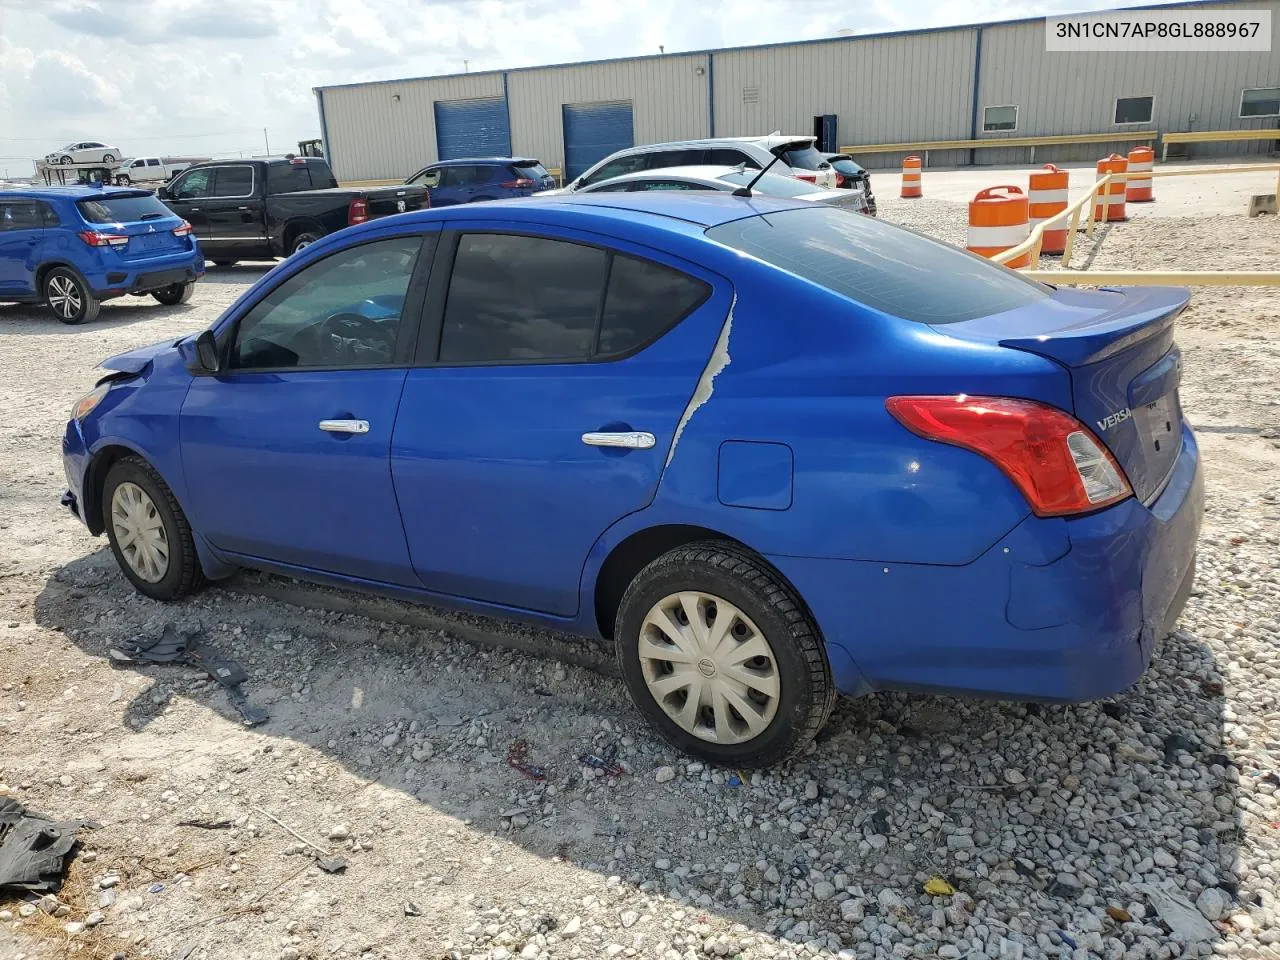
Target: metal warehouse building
x=986, y=81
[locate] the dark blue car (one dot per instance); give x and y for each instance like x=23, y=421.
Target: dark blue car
x=483, y=178
x=772, y=451
x=73, y=247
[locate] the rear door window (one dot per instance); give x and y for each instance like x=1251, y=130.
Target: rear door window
x=19, y=215
x=644, y=300
x=130, y=208
x=288, y=178
x=233, y=181
x=879, y=265
x=632, y=163
x=728, y=157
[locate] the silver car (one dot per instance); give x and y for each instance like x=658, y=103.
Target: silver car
x=729, y=179
x=796, y=157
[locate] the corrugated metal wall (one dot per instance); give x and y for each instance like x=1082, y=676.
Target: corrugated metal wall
x=668, y=97
x=883, y=89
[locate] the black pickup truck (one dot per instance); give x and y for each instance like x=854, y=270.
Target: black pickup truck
x=258, y=209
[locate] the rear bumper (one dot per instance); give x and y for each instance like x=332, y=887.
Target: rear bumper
x=1059, y=610
x=145, y=276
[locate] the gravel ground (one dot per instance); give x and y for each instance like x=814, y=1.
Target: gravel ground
x=1064, y=831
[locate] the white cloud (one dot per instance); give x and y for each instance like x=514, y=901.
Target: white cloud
x=205, y=76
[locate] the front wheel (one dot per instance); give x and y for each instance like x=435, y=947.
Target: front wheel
x=108, y=157
x=65, y=159
x=303, y=240
x=123, y=180
x=149, y=533
x=68, y=297
x=175, y=293
x=721, y=657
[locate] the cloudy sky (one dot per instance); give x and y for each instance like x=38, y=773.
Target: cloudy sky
x=206, y=76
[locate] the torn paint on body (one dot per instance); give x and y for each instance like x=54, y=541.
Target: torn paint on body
x=706, y=383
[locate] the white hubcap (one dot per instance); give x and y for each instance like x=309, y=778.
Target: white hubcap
x=140, y=532
x=709, y=667
x=64, y=297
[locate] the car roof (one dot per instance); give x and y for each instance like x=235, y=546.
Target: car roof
x=772, y=140
x=75, y=192
x=472, y=160
x=708, y=173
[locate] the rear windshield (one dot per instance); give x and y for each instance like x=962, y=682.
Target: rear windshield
x=533, y=170
x=847, y=167
x=771, y=185
x=879, y=265
x=126, y=208
x=803, y=156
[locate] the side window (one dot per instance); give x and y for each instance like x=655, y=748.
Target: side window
x=644, y=301
x=515, y=298
x=689, y=157
x=234, y=181
x=48, y=215
x=671, y=185
x=193, y=186
x=137, y=163
x=728, y=157
x=19, y=215
x=453, y=177
x=153, y=162
x=427, y=178
x=342, y=311
x=287, y=178
x=616, y=168
x=625, y=187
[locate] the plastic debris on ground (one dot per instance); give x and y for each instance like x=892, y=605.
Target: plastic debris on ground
x=1186, y=923
x=1066, y=939
x=34, y=848
x=938, y=887
x=1119, y=914
x=606, y=761
x=208, y=824
x=516, y=760
x=331, y=864
x=182, y=645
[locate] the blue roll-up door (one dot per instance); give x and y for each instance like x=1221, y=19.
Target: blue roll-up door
x=472, y=128
x=592, y=131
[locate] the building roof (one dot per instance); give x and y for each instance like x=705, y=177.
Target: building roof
x=786, y=43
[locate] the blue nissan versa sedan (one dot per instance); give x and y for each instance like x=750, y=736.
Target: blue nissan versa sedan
x=773, y=452
x=73, y=247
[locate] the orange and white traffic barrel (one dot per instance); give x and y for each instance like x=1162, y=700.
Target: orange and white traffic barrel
x=1048, y=198
x=1112, y=199
x=1138, y=189
x=911, y=182
x=998, y=221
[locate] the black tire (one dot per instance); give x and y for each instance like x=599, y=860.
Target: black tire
x=175, y=293
x=183, y=574
x=108, y=158
x=304, y=239
x=806, y=690
x=123, y=180
x=225, y=263
x=65, y=159
x=69, y=297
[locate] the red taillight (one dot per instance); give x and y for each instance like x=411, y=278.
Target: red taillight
x=807, y=177
x=182, y=229
x=517, y=184
x=358, y=212
x=1057, y=463
x=95, y=239
x=839, y=180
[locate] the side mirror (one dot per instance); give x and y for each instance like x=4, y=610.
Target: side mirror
x=207, y=352
x=162, y=192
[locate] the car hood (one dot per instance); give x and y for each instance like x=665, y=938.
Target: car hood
x=136, y=361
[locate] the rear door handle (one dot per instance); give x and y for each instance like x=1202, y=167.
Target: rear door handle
x=344, y=426
x=194, y=209
x=632, y=440
x=242, y=208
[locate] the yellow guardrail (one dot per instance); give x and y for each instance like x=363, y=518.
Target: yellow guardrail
x=924, y=146
x=1159, y=278
x=369, y=183
x=1214, y=136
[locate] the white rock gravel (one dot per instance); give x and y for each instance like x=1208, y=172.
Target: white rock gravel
x=390, y=728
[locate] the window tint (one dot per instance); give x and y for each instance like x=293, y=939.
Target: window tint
x=193, y=186
x=626, y=186
x=1000, y=118
x=615, y=168
x=153, y=163
x=802, y=156
x=463, y=176
x=49, y=216
x=521, y=298
x=19, y=215
x=427, y=178
x=533, y=170
x=1134, y=109
x=643, y=302
x=138, y=163
x=123, y=209
x=234, y=181
x=649, y=185
x=1264, y=102
x=880, y=265
x=846, y=167
x=286, y=178
x=343, y=311
x=690, y=157
x=723, y=157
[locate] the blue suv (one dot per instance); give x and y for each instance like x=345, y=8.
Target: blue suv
x=482, y=178
x=73, y=247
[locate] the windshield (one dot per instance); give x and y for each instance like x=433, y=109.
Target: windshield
x=882, y=266
x=123, y=208
x=847, y=167
x=771, y=184
x=802, y=156
x=533, y=170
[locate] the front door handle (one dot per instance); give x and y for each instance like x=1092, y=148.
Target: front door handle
x=631, y=440
x=344, y=426
x=194, y=209
x=242, y=208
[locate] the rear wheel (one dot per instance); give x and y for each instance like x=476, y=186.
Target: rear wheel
x=65, y=159
x=68, y=297
x=108, y=157
x=175, y=293
x=720, y=656
x=149, y=533
x=303, y=240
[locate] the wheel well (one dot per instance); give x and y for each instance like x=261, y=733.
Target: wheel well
x=300, y=226
x=631, y=556
x=42, y=271
x=94, y=478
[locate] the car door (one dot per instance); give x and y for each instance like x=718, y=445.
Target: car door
x=187, y=195
x=553, y=372
x=286, y=451
x=456, y=185
x=235, y=210
x=21, y=236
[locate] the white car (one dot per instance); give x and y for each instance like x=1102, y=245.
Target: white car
x=86, y=151
x=727, y=180
x=797, y=157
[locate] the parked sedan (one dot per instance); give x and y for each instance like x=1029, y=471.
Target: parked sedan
x=727, y=180
x=740, y=438
x=488, y=178
x=86, y=151
x=851, y=175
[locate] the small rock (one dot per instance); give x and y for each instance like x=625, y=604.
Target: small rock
x=109, y=881
x=93, y=919
x=798, y=829
x=1212, y=903
x=811, y=790
x=27, y=910
x=6, y=916
x=890, y=900
x=1010, y=949
x=340, y=832
x=1014, y=777
x=852, y=911
x=664, y=774
x=949, y=951
x=73, y=928
x=959, y=841
x=499, y=953
x=107, y=898
x=290, y=953
x=390, y=740
x=530, y=952
x=823, y=890
x=662, y=863
x=572, y=927
x=629, y=918
x=1163, y=858
x=771, y=875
